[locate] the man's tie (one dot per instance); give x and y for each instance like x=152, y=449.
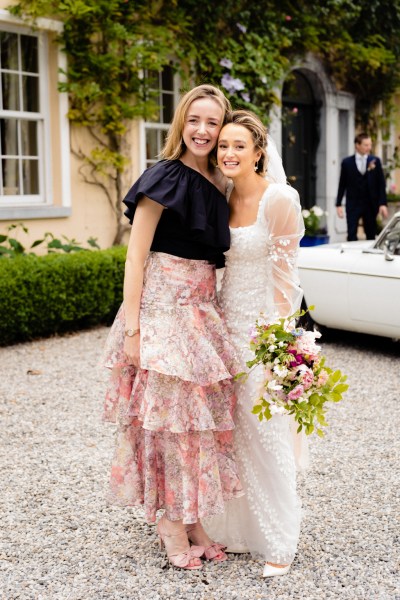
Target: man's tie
x=363, y=164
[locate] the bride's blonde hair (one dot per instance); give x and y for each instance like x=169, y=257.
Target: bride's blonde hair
x=174, y=145
x=258, y=131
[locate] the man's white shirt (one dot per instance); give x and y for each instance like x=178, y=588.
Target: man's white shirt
x=361, y=162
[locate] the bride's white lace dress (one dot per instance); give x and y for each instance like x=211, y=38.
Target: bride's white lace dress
x=261, y=276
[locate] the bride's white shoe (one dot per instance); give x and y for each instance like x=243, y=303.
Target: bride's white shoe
x=270, y=571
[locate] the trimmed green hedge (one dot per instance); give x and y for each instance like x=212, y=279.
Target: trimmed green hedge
x=43, y=295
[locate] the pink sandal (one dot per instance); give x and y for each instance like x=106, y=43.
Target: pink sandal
x=189, y=559
x=214, y=551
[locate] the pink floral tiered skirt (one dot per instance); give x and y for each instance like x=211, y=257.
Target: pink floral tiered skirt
x=174, y=445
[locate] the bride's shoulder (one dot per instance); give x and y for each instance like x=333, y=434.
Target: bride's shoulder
x=282, y=189
x=279, y=200
x=281, y=192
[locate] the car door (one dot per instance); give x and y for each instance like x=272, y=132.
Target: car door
x=374, y=287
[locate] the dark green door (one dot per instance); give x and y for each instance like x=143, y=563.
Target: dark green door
x=300, y=115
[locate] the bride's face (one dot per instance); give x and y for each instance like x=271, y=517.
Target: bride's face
x=236, y=152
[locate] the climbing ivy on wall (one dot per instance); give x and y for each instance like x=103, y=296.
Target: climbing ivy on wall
x=246, y=48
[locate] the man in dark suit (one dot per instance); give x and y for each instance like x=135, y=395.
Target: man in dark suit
x=363, y=182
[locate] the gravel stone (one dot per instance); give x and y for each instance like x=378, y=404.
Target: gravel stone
x=60, y=540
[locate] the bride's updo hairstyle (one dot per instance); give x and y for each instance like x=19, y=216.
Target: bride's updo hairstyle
x=258, y=131
x=174, y=145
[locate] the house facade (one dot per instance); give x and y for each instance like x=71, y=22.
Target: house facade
x=40, y=182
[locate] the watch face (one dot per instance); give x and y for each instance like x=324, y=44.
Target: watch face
x=129, y=332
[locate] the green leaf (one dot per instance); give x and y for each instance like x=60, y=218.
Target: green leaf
x=55, y=243
x=332, y=397
x=93, y=243
x=36, y=243
x=16, y=245
x=315, y=399
x=239, y=375
x=341, y=387
x=256, y=409
x=267, y=413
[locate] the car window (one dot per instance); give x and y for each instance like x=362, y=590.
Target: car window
x=391, y=238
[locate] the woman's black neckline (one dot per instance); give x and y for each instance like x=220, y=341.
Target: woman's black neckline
x=200, y=175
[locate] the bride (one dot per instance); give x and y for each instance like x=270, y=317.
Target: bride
x=260, y=276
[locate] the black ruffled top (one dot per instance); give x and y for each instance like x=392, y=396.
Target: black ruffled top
x=196, y=224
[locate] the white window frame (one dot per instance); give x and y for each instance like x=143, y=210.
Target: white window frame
x=42, y=205
x=158, y=126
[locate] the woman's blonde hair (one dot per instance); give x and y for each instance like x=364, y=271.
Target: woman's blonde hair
x=174, y=145
x=258, y=131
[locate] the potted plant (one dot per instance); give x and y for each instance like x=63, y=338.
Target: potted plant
x=314, y=234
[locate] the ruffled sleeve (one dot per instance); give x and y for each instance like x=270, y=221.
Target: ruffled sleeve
x=199, y=204
x=283, y=218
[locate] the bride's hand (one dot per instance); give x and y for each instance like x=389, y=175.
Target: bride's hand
x=132, y=350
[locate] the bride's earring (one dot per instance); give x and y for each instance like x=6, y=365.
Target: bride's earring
x=256, y=167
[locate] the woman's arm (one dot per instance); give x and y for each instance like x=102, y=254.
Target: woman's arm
x=147, y=216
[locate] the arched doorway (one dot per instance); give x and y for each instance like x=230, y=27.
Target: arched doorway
x=300, y=136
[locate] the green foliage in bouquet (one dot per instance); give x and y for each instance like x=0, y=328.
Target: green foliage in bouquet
x=297, y=380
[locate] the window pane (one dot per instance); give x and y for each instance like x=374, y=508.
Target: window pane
x=151, y=144
x=29, y=138
x=156, y=116
x=30, y=93
x=168, y=108
x=9, y=136
x=29, y=53
x=10, y=176
x=167, y=79
x=30, y=176
x=9, y=84
x=9, y=50
x=153, y=80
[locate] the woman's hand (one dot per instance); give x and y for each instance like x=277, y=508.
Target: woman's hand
x=132, y=350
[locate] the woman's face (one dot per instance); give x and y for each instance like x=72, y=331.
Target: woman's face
x=202, y=125
x=236, y=153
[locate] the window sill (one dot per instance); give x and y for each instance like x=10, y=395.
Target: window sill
x=9, y=213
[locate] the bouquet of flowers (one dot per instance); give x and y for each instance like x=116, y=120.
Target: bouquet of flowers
x=297, y=380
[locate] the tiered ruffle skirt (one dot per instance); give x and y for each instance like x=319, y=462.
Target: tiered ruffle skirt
x=174, y=447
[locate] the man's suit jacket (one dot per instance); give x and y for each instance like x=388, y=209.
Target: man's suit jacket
x=362, y=191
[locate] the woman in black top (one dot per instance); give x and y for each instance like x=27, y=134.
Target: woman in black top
x=171, y=389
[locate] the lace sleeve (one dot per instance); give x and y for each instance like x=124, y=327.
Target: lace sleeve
x=282, y=213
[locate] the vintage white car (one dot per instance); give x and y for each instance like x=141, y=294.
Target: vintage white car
x=355, y=285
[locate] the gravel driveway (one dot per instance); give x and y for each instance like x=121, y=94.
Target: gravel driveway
x=59, y=540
